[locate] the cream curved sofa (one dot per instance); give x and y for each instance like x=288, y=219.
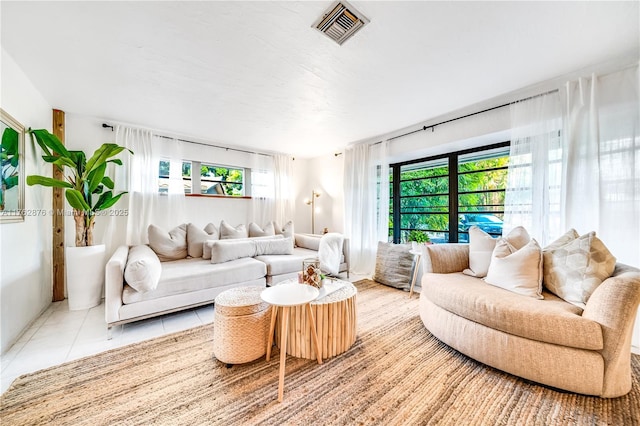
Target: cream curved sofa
x=548, y=341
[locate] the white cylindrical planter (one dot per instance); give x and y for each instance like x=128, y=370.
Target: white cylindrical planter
x=85, y=276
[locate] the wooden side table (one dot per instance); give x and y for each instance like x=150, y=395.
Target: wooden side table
x=282, y=298
x=335, y=324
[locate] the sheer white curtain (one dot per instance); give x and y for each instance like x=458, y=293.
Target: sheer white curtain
x=366, y=180
x=602, y=140
x=534, y=184
x=263, y=204
x=283, y=188
x=146, y=205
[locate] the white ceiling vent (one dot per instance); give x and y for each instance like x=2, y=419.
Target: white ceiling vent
x=340, y=22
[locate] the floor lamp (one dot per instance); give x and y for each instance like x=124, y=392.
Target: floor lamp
x=312, y=202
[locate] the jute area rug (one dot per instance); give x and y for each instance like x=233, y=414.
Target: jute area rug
x=395, y=374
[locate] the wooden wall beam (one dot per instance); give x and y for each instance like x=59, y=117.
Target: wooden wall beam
x=58, y=217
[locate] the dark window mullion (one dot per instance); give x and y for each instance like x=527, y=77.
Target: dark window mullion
x=453, y=198
x=396, y=203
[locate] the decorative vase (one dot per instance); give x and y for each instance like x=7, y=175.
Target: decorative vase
x=85, y=276
x=311, y=272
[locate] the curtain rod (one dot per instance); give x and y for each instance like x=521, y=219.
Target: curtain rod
x=105, y=125
x=433, y=126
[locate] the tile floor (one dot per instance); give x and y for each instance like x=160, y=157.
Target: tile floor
x=60, y=335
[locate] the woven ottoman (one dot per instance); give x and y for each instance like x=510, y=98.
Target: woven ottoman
x=240, y=325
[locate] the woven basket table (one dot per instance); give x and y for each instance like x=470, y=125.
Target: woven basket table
x=335, y=316
x=241, y=324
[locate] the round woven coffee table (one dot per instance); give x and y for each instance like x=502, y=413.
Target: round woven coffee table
x=335, y=317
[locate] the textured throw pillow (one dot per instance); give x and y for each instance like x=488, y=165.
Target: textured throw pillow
x=170, y=245
x=481, y=247
x=519, y=271
x=393, y=265
x=256, y=231
x=228, y=232
x=143, y=269
x=206, y=247
x=574, y=270
x=225, y=251
x=286, y=230
x=196, y=238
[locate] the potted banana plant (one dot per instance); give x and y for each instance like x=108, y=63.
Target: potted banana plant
x=88, y=191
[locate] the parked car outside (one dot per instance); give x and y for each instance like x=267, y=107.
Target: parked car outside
x=489, y=223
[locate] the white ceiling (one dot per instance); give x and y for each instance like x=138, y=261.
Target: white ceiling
x=256, y=75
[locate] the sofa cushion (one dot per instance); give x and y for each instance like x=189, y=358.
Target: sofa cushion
x=196, y=238
x=186, y=275
x=551, y=320
x=228, y=232
x=206, y=248
x=481, y=247
x=574, y=270
x=224, y=251
x=256, y=231
x=170, y=245
x=519, y=271
x=279, y=264
x=311, y=242
x=287, y=230
x=143, y=269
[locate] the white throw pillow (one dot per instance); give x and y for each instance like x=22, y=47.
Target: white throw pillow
x=170, y=245
x=228, y=232
x=143, y=269
x=206, y=247
x=196, y=238
x=519, y=271
x=256, y=231
x=225, y=251
x=287, y=230
x=575, y=266
x=481, y=247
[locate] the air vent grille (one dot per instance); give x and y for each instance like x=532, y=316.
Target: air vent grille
x=340, y=22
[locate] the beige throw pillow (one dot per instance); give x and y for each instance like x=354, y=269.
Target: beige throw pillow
x=196, y=238
x=206, y=247
x=256, y=231
x=225, y=251
x=228, y=232
x=170, y=245
x=286, y=230
x=573, y=270
x=143, y=269
x=481, y=247
x=519, y=271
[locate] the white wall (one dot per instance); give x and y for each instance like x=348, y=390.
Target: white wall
x=25, y=247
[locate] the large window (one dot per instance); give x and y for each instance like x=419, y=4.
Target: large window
x=446, y=195
x=163, y=176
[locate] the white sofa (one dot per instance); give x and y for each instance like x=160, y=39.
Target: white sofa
x=191, y=281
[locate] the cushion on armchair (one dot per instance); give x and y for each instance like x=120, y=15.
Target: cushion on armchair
x=481, y=247
x=519, y=271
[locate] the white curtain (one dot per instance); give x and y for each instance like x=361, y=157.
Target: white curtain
x=146, y=205
x=589, y=178
x=602, y=142
x=263, y=205
x=366, y=181
x=532, y=197
x=283, y=188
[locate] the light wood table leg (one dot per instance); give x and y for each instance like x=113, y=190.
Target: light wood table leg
x=272, y=327
x=283, y=350
x=415, y=275
x=314, y=333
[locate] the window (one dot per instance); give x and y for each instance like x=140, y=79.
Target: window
x=446, y=195
x=221, y=180
x=163, y=176
x=212, y=180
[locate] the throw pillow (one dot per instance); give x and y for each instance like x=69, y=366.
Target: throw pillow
x=206, y=247
x=196, y=238
x=225, y=251
x=286, y=230
x=256, y=231
x=519, y=271
x=481, y=247
x=228, y=232
x=143, y=269
x=574, y=270
x=393, y=265
x=170, y=245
